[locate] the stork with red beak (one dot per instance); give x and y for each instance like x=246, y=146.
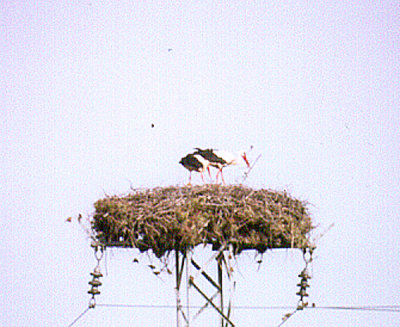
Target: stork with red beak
x=195, y=162
x=220, y=159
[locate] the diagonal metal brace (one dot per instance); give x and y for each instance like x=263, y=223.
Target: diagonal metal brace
x=191, y=282
x=206, y=276
x=205, y=306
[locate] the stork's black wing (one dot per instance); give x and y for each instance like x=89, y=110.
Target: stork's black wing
x=209, y=155
x=191, y=163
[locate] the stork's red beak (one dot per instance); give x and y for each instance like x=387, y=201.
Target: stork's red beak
x=245, y=160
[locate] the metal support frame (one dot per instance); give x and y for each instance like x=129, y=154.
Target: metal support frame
x=223, y=258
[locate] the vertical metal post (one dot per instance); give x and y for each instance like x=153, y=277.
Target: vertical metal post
x=232, y=283
x=220, y=280
x=188, y=284
x=178, y=320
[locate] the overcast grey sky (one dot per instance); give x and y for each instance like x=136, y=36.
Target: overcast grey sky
x=313, y=86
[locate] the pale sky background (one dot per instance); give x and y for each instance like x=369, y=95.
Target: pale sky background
x=313, y=86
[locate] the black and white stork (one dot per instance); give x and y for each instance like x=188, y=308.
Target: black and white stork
x=220, y=159
x=195, y=162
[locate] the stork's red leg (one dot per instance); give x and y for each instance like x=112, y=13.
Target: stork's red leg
x=222, y=177
x=209, y=173
x=202, y=177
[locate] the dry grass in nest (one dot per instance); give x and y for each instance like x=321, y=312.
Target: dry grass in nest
x=163, y=219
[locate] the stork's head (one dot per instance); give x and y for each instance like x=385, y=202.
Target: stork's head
x=243, y=155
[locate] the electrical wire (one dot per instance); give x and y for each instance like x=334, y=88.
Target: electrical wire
x=287, y=316
x=166, y=306
x=383, y=308
x=373, y=308
x=79, y=317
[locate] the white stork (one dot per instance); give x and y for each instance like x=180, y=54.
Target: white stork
x=195, y=162
x=221, y=159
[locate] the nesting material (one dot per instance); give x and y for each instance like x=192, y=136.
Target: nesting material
x=163, y=219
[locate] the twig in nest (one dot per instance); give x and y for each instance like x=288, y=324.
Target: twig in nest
x=246, y=174
x=319, y=236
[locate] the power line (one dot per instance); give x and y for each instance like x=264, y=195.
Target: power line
x=79, y=317
x=384, y=308
x=166, y=306
x=374, y=308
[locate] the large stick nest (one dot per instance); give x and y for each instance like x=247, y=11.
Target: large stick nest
x=175, y=218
